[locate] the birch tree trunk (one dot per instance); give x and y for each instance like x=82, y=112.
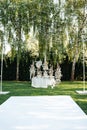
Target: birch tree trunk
x=17, y=68
x=73, y=69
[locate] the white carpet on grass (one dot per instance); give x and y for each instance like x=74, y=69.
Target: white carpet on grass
x=42, y=113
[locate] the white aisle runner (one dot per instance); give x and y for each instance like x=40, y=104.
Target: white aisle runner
x=42, y=113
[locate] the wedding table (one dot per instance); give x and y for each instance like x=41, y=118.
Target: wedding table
x=43, y=82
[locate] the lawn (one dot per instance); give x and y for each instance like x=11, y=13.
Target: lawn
x=23, y=88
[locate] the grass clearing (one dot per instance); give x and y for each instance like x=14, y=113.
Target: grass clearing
x=23, y=88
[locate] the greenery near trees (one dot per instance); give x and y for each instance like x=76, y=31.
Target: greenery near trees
x=59, y=27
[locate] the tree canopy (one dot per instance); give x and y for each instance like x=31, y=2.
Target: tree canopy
x=59, y=27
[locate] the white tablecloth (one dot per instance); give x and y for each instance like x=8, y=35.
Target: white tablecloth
x=43, y=82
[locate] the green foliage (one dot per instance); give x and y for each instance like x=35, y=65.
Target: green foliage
x=58, y=27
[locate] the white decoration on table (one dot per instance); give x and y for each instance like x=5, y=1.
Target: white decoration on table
x=39, y=73
x=58, y=74
x=45, y=74
x=45, y=66
x=45, y=78
x=38, y=64
x=51, y=71
x=32, y=71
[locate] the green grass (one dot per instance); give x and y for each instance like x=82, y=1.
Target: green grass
x=64, y=88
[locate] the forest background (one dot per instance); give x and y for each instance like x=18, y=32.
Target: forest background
x=34, y=29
